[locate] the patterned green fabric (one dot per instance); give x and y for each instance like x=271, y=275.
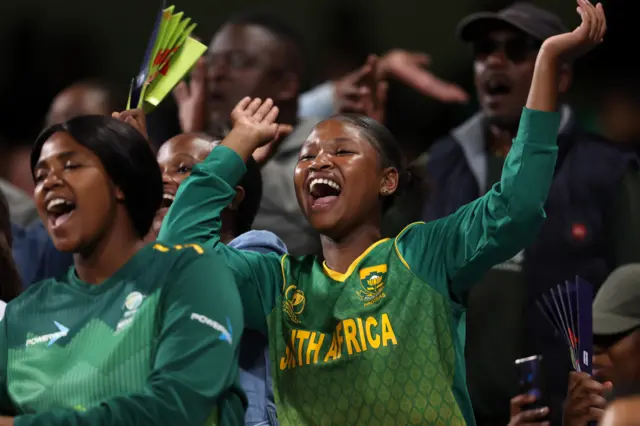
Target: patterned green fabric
x=384, y=355
x=95, y=364
x=152, y=344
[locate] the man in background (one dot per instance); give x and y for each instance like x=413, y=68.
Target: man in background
x=260, y=56
x=619, y=109
x=87, y=97
x=592, y=224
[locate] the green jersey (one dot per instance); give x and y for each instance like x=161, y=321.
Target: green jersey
x=383, y=343
x=155, y=344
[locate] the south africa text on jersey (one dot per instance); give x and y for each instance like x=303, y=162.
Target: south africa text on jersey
x=351, y=336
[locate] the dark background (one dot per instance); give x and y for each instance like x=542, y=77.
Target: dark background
x=47, y=45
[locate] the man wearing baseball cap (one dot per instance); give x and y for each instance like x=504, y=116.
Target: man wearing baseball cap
x=526, y=17
x=591, y=226
x=616, y=322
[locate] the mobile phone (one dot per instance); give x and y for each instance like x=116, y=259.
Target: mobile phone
x=530, y=380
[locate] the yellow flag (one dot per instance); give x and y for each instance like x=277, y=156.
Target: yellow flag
x=171, y=54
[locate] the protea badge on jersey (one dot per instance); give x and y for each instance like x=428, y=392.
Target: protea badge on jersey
x=170, y=55
x=293, y=303
x=372, y=280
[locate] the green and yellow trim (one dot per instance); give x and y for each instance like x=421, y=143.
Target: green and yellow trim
x=340, y=277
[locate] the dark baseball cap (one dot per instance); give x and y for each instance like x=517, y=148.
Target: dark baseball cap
x=538, y=23
x=616, y=308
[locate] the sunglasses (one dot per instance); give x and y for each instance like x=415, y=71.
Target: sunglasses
x=516, y=49
x=608, y=340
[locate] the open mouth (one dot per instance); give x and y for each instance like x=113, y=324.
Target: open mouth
x=324, y=192
x=167, y=200
x=216, y=99
x=59, y=210
x=498, y=85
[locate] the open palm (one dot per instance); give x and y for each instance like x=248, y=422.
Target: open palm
x=256, y=121
x=256, y=118
x=588, y=35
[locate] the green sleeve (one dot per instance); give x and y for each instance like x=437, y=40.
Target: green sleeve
x=624, y=221
x=195, y=365
x=456, y=251
x=194, y=218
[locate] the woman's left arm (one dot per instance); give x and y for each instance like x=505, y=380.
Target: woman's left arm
x=460, y=248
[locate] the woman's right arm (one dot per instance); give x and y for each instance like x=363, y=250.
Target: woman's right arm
x=195, y=215
x=194, y=218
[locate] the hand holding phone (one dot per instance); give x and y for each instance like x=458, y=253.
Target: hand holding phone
x=530, y=379
x=522, y=417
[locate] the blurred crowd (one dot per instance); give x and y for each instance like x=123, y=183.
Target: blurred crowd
x=591, y=227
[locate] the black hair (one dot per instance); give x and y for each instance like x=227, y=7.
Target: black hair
x=248, y=210
x=283, y=31
x=11, y=284
x=410, y=179
x=126, y=157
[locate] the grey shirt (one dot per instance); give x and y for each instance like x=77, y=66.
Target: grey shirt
x=279, y=211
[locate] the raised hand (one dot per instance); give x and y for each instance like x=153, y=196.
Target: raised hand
x=135, y=118
x=585, y=401
x=520, y=417
x=362, y=92
x=257, y=120
x=556, y=50
x=255, y=126
x=588, y=35
x=190, y=98
x=410, y=69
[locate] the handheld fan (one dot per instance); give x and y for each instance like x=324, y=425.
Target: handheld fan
x=568, y=307
x=171, y=53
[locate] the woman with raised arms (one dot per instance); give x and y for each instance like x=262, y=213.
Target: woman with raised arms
x=372, y=332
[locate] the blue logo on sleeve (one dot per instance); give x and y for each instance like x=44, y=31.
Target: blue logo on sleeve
x=50, y=338
x=225, y=333
x=63, y=331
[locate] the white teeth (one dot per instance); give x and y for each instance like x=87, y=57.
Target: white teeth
x=168, y=197
x=55, y=202
x=331, y=183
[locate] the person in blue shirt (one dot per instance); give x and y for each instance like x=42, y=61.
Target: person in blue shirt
x=35, y=255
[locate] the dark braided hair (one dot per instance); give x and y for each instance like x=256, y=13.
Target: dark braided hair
x=391, y=155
